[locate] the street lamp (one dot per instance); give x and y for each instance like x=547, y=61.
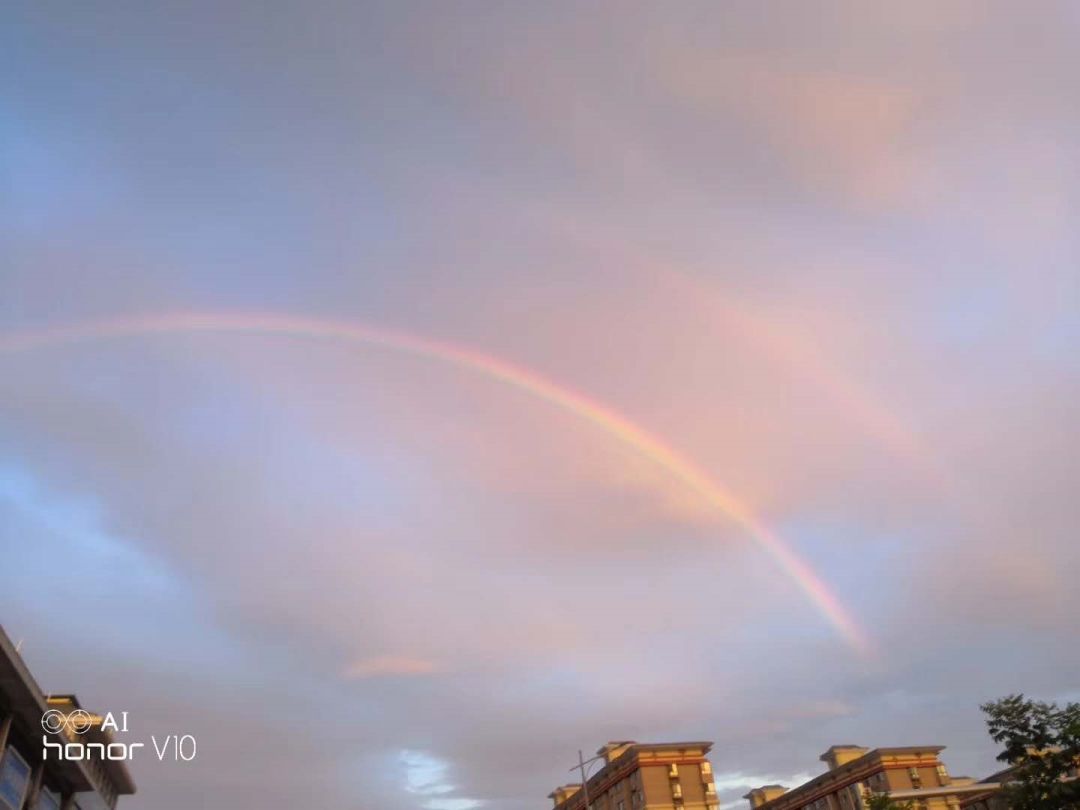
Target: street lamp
x=582, y=762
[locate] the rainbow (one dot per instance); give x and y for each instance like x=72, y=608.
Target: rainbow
x=611, y=422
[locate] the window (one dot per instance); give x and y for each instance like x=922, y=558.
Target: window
x=14, y=779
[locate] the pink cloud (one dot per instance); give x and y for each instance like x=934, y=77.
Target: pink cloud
x=388, y=665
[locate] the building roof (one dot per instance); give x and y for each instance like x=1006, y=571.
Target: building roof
x=843, y=772
x=625, y=761
x=27, y=703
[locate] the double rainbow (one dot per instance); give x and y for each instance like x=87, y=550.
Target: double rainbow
x=679, y=466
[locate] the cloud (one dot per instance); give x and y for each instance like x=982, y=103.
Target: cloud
x=841, y=132
x=425, y=776
x=824, y=254
x=384, y=665
x=740, y=784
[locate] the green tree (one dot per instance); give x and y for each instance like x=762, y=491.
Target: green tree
x=1042, y=744
x=883, y=801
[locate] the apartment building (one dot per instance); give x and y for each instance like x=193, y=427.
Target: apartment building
x=910, y=773
x=643, y=776
x=30, y=781
x=995, y=799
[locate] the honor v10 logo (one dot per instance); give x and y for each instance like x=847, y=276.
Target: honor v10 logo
x=71, y=726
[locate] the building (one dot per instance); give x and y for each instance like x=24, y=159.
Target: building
x=30, y=781
x=989, y=799
x=640, y=776
x=993, y=799
x=912, y=773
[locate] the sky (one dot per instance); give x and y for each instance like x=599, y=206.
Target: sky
x=400, y=397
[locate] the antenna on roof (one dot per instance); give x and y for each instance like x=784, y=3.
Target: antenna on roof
x=18, y=646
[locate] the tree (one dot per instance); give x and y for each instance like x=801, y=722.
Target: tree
x=883, y=801
x=1042, y=746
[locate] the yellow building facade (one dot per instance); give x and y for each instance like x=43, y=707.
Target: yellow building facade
x=913, y=774
x=641, y=776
